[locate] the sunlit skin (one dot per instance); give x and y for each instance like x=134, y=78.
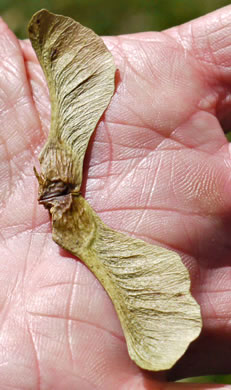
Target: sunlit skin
x=158, y=167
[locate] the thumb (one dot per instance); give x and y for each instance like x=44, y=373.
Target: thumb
x=208, y=40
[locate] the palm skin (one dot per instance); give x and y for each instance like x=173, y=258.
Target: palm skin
x=158, y=167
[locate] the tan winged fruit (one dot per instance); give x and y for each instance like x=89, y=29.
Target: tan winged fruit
x=149, y=285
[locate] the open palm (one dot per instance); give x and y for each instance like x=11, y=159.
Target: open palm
x=158, y=168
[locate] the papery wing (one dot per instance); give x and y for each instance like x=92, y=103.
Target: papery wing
x=149, y=286
x=80, y=73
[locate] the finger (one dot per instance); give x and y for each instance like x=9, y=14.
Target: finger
x=38, y=86
x=208, y=40
x=20, y=136
x=20, y=127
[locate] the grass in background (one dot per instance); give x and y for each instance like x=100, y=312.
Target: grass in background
x=116, y=17
x=224, y=379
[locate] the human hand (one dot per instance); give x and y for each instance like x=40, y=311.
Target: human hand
x=158, y=168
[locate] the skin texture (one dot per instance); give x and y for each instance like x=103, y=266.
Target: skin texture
x=158, y=168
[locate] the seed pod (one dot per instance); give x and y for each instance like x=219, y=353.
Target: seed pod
x=149, y=285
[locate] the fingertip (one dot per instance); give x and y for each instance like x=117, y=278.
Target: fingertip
x=208, y=39
x=3, y=26
x=28, y=52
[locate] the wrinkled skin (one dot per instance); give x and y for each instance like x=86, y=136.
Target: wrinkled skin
x=158, y=167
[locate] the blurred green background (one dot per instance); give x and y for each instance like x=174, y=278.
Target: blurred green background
x=115, y=17
x=111, y=17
